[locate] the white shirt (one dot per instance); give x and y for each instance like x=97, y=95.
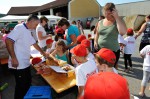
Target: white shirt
x=83, y=71
x=22, y=41
x=114, y=70
x=121, y=39
x=90, y=56
x=146, y=52
x=130, y=45
x=42, y=43
x=48, y=50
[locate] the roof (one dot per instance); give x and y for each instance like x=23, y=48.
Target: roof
x=21, y=10
x=53, y=4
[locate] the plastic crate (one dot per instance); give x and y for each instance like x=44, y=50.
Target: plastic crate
x=38, y=92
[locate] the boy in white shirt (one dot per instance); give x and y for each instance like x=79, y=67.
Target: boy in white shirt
x=87, y=43
x=129, y=49
x=85, y=69
x=145, y=53
x=105, y=60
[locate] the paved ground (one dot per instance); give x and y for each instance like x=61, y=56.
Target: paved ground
x=134, y=79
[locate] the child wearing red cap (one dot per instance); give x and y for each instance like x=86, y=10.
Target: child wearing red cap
x=106, y=85
x=105, y=60
x=49, y=46
x=80, y=38
x=129, y=49
x=85, y=69
x=60, y=52
x=145, y=53
x=87, y=44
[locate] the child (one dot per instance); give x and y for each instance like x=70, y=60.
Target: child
x=106, y=85
x=145, y=53
x=49, y=46
x=80, y=38
x=60, y=52
x=121, y=42
x=129, y=49
x=105, y=60
x=85, y=69
x=87, y=43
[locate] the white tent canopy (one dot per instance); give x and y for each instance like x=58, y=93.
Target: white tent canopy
x=10, y=18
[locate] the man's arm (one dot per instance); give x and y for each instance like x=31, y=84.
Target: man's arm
x=80, y=89
x=10, y=48
x=36, y=46
x=74, y=40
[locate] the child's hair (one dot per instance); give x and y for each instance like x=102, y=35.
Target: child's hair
x=74, y=22
x=61, y=43
x=148, y=16
x=58, y=36
x=102, y=61
x=92, y=28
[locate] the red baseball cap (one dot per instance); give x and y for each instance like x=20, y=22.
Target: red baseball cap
x=60, y=30
x=130, y=31
x=107, y=55
x=80, y=38
x=106, y=85
x=79, y=50
x=48, y=41
x=36, y=60
x=86, y=43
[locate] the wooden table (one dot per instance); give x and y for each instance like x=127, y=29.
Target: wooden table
x=3, y=61
x=59, y=81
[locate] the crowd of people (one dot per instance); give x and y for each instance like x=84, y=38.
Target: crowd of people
x=94, y=57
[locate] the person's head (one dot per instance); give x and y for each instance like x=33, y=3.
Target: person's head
x=105, y=56
x=107, y=10
x=80, y=38
x=49, y=43
x=43, y=20
x=130, y=32
x=106, y=85
x=147, y=18
x=32, y=21
x=74, y=22
x=92, y=28
x=60, y=31
x=61, y=46
x=86, y=43
x=79, y=52
x=63, y=23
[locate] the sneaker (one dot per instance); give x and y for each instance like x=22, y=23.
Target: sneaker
x=142, y=95
x=126, y=70
x=130, y=68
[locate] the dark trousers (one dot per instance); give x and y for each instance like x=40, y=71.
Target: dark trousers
x=142, y=45
x=117, y=57
x=127, y=59
x=23, y=82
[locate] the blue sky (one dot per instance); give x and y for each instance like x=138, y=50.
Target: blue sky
x=5, y=6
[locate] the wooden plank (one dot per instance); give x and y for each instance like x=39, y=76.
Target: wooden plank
x=59, y=81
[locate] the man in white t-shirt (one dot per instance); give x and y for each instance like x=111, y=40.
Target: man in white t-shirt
x=41, y=33
x=18, y=43
x=145, y=53
x=85, y=69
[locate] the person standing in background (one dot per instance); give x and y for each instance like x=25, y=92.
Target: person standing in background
x=41, y=33
x=145, y=28
x=18, y=43
x=108, y=30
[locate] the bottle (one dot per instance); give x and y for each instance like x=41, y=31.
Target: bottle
x=4, y=86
